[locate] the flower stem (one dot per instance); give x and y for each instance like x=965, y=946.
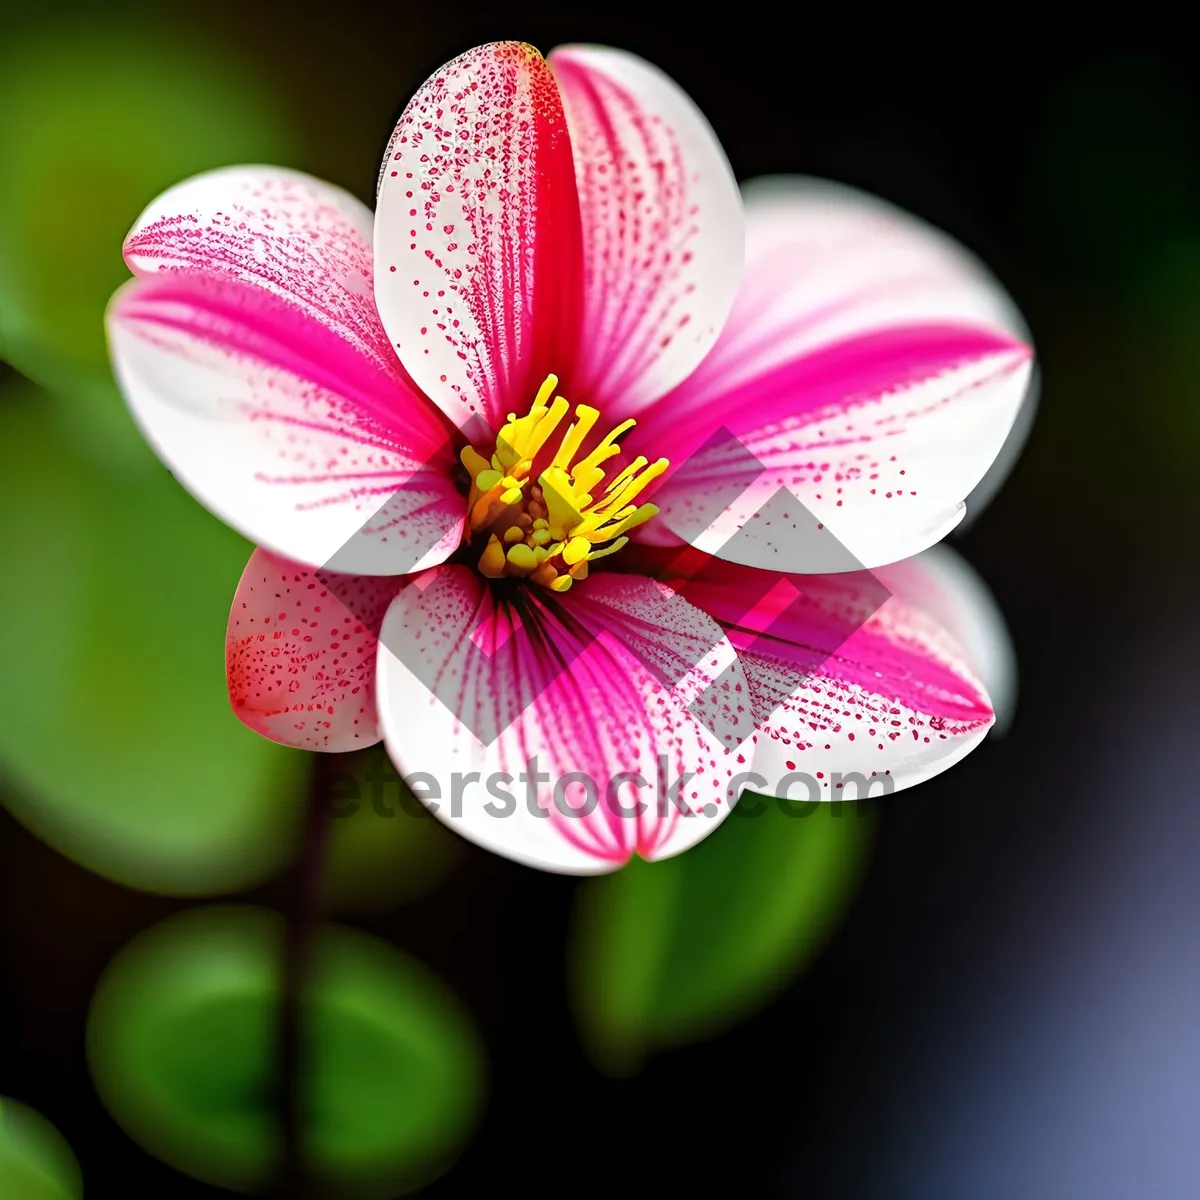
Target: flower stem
x=294, y=1181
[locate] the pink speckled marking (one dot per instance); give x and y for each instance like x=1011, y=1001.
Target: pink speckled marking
x=285, y=233
x=608, y=713
x=300, y=665
x=896, y=697
x=479, y=217
x=836, y=402
x=254, y=300
x=642, y=225
x=830, y=382
x=869, y=364
x=892, y=654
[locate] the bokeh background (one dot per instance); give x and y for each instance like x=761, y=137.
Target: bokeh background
x=984, y=988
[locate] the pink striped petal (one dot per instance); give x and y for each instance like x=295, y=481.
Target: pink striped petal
x=850, y=682
x=300, y=653
x=250, y=352
x=941, y=583
x=518, y=696
x=296, y=237
x=871, y=366
x=662, y=227
x=477, y=234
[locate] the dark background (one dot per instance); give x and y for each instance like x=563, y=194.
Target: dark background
x=1010, y=1005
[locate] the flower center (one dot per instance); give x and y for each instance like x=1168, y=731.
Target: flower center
x=550, y=528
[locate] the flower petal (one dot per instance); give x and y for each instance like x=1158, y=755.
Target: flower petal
x=300, y=653
x=849, y=683
x=870, y=366
x=294, y=236
x=251, y=355
x=662, y=227
x=984, y=492
x=477, y=234
x=941, y=583
x=515, y=711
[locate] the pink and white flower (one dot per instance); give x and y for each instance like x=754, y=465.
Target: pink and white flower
x=380, y=396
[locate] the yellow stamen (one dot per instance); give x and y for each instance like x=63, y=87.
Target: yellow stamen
x=620, y=543
x=576, y=550
x=474, y=461
x=547, y=528
x=585, y=418
x=633, y=485
x=521, y=557
x=633, y=468
x=491, y=561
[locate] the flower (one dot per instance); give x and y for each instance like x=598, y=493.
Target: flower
x=443, y=425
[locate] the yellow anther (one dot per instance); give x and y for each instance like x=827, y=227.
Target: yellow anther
x=549, y=527
x=576, y=550
x=482, y=509
x=473, y=461
x=607, y=550
x=587, y=473
x=548, y=423
x=633, y=468
x=491, y=561
x=522, y=557
x=546, y=391
x=633, y=485
x=585, y=418
x=639, y=516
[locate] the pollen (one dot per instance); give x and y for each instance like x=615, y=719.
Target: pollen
x=548, y=528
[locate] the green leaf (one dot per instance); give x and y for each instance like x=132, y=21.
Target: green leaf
x=384, y=846
x=183, y=1045
x=35, y=1161
x=116, y=734
x=95, y=121
x=669, y=952
x=396, y=1068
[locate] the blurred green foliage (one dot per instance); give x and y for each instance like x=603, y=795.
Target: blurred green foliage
x=183, y=1045
x=116, y=732
x=97, y=118
x=1164, y=314
x=384, y=847
x=669, y=952
x=35, y=1161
